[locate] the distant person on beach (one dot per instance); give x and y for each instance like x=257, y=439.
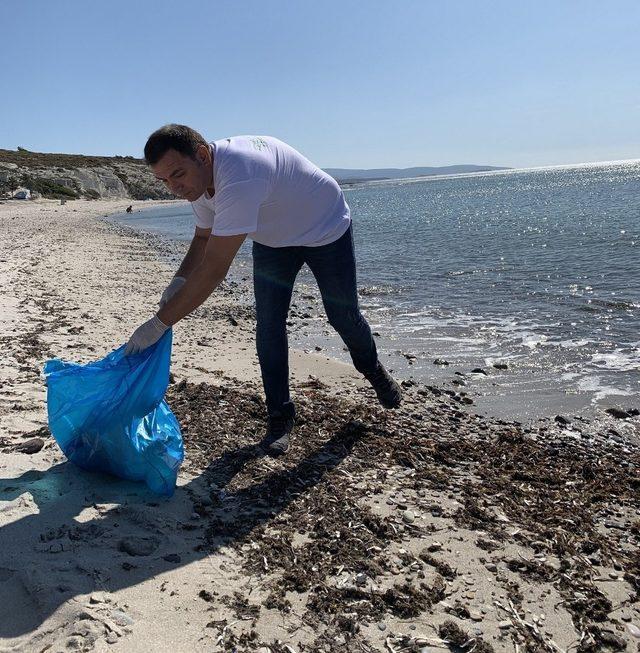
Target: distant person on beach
x=261, y=188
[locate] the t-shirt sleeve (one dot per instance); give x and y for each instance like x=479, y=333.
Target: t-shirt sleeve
x=237, y=207
x=203, y=215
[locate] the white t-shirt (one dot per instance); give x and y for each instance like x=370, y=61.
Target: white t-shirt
x=268, y=190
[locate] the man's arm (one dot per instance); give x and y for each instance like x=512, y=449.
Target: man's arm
x=195, y=253
x=204, y=277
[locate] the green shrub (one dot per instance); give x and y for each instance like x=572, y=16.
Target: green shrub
x=48, y=188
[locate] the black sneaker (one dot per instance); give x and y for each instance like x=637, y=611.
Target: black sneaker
x=388, y=391
x=279, y=430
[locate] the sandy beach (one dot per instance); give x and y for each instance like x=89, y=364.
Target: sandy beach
x=430, y=528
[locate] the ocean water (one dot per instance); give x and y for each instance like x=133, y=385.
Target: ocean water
x=538, y=269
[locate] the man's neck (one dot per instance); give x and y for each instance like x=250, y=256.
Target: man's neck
x=210, y=189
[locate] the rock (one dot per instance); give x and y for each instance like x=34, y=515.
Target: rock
x=121, y=618
x=504, y=625
x=382, y=626
x=361, y=579
x=634, y=630
x=30, y=446
x=138, y=546
x=98, y=597
x=475, y=615
x=478, y=370
x=409, y=517
x=172, y=557
x=562, y=420
x=617, y=413
x=501, y=366
x=440, y=361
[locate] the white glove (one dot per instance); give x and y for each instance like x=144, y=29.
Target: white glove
x=145, y=336
x=171, y=290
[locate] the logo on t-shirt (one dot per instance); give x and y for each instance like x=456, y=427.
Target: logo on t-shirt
x=259, y=143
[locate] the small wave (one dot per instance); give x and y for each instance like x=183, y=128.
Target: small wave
x=599, y=389
x=460, y=273
x=573, y=344
x=532, y=340
x=368, y=291
x=616, y=360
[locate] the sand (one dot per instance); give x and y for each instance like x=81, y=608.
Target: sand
x=397, y=531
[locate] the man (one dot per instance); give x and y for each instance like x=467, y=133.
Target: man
x=259, y=187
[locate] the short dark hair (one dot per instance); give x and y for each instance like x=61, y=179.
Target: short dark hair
x=181, y=138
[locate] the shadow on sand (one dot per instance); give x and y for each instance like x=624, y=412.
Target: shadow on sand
x=73, y=545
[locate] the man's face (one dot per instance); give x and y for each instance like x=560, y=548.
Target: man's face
x=185, y=177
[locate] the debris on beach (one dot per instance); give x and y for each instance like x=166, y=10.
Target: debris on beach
x=357, y=525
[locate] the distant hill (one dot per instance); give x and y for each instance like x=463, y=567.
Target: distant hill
x=73, y=176
x=346, y=175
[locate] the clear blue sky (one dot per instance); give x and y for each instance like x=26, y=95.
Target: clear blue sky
x=356, y=84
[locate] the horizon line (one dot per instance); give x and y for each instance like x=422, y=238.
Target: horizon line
x=447, y=165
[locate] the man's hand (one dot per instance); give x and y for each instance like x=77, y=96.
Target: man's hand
x=145, y=336
x=171, y=290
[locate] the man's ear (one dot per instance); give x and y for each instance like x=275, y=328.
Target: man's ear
x=203, y=153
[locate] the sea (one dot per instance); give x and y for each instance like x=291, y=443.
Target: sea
x=531, y=277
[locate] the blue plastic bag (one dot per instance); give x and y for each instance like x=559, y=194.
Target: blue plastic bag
x=110, y=416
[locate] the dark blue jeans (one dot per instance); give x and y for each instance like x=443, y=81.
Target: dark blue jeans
x=274, y=273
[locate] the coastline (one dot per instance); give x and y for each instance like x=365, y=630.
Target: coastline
x=446, y=503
